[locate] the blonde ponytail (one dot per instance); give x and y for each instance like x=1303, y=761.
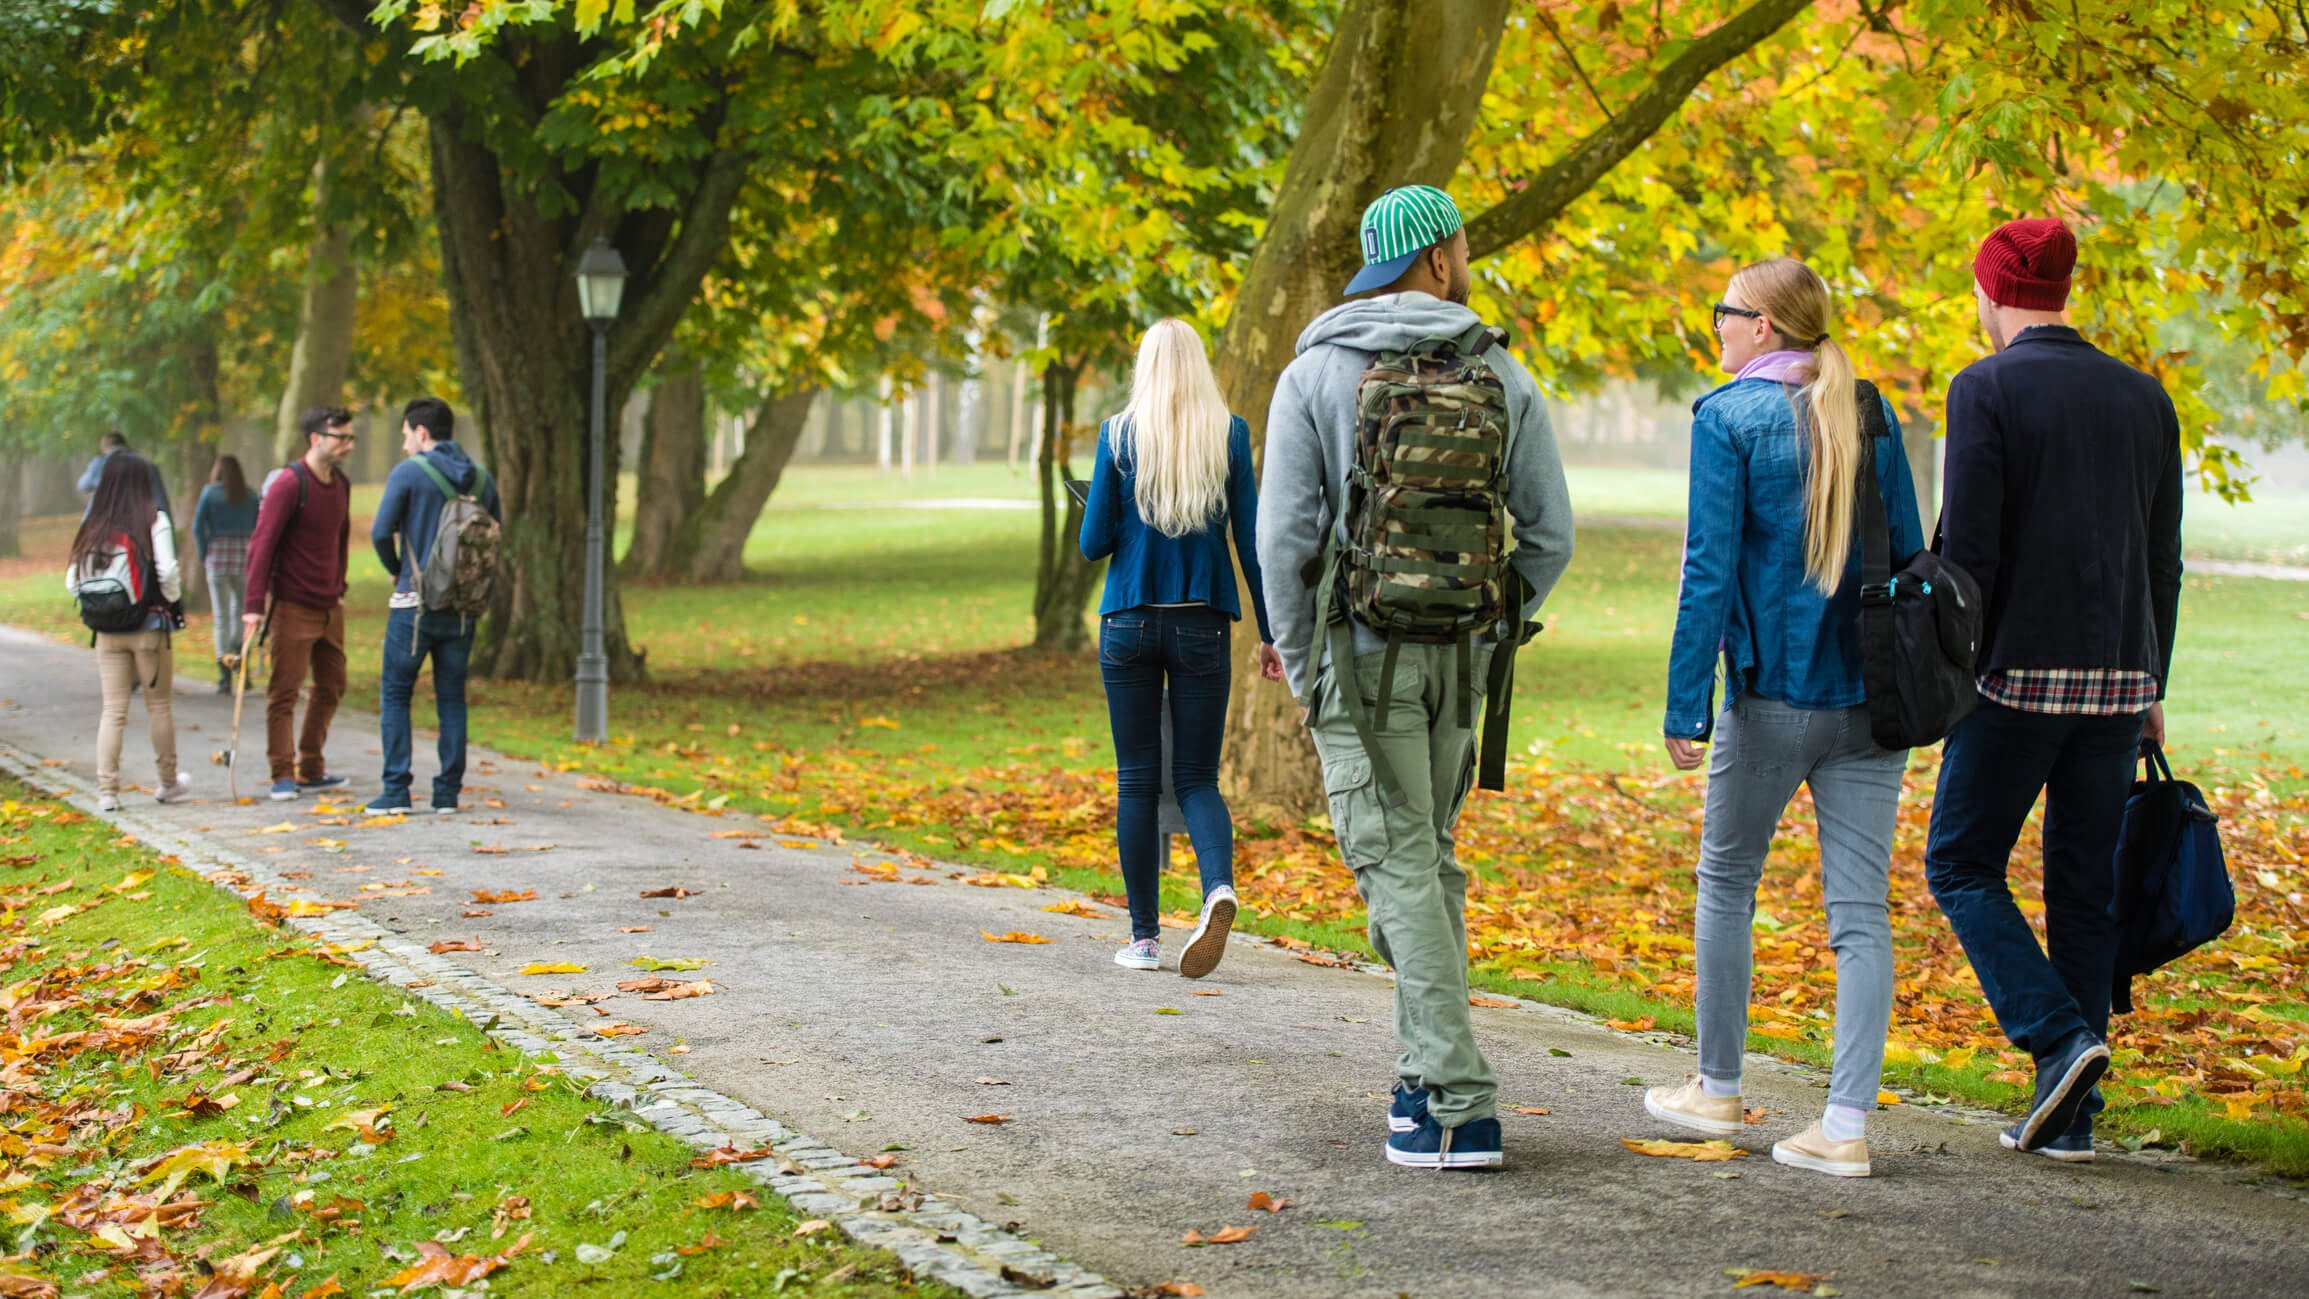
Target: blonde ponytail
x=1173, y=435
x=1795, y=300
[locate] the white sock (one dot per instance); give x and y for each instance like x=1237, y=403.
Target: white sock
x=1719, y=1090
x=1844, y=1123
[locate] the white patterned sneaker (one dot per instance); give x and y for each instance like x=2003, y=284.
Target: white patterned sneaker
x=1143, y=954
x=1210, y=938
x=177, y=792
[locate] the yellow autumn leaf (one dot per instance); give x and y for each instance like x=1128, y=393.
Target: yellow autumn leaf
x=1703, y=1152
x=132, y=881
x=216, y=1158
x=552, y=967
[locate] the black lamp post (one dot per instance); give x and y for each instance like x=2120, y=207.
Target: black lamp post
x=600, y=283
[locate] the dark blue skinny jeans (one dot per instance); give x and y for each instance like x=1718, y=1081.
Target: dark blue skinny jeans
x=1138, y=651
x=1996, y=763
x=410, y=638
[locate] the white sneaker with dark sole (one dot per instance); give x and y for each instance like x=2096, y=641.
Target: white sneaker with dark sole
x=1210, y=938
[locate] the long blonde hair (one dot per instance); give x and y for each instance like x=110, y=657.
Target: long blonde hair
x=1795, y=299
x=1173, y=434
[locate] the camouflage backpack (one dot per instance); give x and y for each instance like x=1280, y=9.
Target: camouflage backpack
x=461, y=567
x=1422, y=551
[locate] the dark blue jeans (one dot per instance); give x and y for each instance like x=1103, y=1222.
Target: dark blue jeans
x=1138, y=650
x=410, y=637
x=1996, y=762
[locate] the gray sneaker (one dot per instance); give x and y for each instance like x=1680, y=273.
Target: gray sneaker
x=1142, y=954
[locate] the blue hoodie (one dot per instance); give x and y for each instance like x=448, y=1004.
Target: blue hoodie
x=412, y=509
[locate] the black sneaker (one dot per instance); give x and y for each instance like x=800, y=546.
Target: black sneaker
x=2074, y=1146
x=388, y=805
x=1409, y=1109
x=324, y=785
x=1473, y=1144
x=2064, y=1080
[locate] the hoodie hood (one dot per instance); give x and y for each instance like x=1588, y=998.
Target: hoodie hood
x=454, y=464
x=1392, y=320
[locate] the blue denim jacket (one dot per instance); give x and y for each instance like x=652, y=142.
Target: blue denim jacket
x=1744, y=589
x=1150, y=568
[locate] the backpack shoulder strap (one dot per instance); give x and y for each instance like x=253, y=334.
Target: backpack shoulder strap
x=1871, y=531
x=304, y=482
x=441, y=480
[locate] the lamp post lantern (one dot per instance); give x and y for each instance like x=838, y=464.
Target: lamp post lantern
x=600, y=283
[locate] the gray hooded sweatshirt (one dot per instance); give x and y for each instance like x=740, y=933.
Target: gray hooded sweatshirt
x=1311, y=441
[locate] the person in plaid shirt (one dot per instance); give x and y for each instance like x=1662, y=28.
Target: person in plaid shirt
x=221, y=523
x=2064, y=502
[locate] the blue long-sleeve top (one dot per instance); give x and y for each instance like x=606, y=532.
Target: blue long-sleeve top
x=1745, y=590
x=214, y=516
x=410, y=512
x=1150, y=568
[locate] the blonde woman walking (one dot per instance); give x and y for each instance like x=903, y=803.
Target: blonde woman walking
x=1771, y=576
x=1173, y=478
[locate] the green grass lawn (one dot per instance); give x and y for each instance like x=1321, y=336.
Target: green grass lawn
x=335, y=1125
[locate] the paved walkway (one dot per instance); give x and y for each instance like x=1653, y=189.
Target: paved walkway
x=874, y=1015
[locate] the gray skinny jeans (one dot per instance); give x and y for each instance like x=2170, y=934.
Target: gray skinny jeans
x=1761, y=752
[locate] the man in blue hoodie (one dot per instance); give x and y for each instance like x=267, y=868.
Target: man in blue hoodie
x=407, y=520
x=1396, y=834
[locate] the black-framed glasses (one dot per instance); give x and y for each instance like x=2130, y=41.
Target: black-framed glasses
x=1723, y=309
x=341, y=437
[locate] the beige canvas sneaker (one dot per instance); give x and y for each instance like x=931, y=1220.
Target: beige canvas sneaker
x=1690, y=1106
x=1812, y=1149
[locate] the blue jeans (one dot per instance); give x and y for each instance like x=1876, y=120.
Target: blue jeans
x=1995, y=763
x=1138, y=649
x=409, y=638
x=1761, y=752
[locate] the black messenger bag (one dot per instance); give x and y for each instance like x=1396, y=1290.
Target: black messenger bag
x=1919, y=627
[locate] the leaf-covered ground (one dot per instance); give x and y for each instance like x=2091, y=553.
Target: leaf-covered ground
x=193, y=1104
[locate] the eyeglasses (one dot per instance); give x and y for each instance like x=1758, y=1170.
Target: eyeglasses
x=341, y=437
x=1716, y=322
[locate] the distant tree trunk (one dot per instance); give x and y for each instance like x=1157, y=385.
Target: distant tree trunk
x=1393, y=105
x=671, y=484
x=885, y=419
x=710, y=545
x=1918, y=438
x=11, y=503
x=324, y=348
x=1063, y=578
x=195, y=456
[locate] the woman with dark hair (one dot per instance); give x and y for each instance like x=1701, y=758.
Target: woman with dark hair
x=126, y=543
x=222, y=523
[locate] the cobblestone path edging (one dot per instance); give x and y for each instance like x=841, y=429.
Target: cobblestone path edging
x=934, y=1238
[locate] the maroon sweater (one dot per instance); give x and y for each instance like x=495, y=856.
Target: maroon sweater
x=299, y=555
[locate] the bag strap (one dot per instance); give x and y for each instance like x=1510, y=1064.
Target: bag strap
x=440, y=480
x=1340, y=635
x=1872, y=533
x=2158, y=767
x=1491, y=764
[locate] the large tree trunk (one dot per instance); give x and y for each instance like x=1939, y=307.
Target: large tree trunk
x=711, y=543
x=671, y=484
x=1062, y=577
x=11, y=503
x=1394, y=105
x=324, y=349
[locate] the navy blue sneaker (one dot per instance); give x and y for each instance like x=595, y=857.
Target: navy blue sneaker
x=2074, y=1146
x=1409, y=1109
x=388, y=805
x=1473, y=1144
x=323, y=785
x=2064, y=1080
x=284, y=790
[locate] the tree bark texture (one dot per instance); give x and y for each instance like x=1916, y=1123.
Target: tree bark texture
x=323, y=353
x=11, y=504
x=710, y=545
x=1394, y=105
x=508, y=264
x=1062, y=577
x=671, y=484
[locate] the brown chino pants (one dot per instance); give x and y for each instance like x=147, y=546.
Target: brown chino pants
x=304, y=638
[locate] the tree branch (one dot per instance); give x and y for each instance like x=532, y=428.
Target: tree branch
x=1550, y=192
x=673, y=282
x=1592, y=93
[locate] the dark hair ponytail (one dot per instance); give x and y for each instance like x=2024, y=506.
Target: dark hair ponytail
x=122, y=506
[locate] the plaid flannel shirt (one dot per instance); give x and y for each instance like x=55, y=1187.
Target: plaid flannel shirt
x=2099, y=691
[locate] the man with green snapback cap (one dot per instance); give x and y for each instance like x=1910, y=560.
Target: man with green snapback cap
x=1403, y=442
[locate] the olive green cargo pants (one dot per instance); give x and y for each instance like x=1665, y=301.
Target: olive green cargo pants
x=1400, y=849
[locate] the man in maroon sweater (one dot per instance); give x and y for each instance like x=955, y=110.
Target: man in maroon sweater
x=297, y=570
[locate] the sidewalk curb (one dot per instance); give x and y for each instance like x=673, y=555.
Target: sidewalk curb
x=934, y=1238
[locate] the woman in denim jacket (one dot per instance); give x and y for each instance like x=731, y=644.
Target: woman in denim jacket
x=1172, y=479
x=1771, y=578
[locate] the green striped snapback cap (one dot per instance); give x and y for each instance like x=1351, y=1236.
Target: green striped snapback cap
x=1398, y=226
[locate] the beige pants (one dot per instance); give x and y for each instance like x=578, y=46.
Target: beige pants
x=137, y=660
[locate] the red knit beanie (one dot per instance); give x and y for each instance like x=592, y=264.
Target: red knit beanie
x=2026, y=264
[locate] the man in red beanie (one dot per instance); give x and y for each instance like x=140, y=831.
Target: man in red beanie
x=2064, y=500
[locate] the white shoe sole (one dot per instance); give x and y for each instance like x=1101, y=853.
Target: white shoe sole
x=1455, y=1159
x=1832, y=1167
x=1138, y=963
x=1713, y=1127
x=2006, y=1140
x=1210, y=940
x=283, y=798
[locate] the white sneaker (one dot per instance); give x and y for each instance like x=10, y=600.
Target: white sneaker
x=107, y=802
x=1210, y=938
x=1141, y=954
x=177, y=792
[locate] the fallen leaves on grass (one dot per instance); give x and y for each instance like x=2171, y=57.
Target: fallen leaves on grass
x=731, y=1200
x=1703, y=1152
x=1015, y=936
x=437, y=1266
